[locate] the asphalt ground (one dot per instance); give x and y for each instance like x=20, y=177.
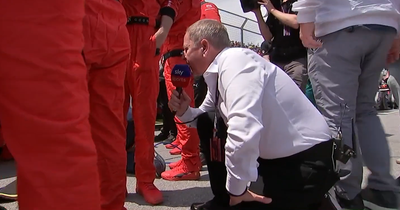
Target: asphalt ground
x=181, y=194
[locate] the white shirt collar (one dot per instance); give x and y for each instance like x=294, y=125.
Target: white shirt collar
x=213, y=67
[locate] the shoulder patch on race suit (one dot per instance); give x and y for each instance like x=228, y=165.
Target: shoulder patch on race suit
x=9, y=192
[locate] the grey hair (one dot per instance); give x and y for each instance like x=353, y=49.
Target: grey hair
x=211, y=30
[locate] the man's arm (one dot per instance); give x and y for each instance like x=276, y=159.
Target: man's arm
x=169, y=10
x=191, y=113
x=265, y=32
x=306, y=10
x=287, y=19
x=243, y=98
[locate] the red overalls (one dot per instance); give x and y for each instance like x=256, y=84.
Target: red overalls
x=106, y=52
x=44, y=104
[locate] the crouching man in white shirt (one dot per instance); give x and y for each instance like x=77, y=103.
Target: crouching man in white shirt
x=273, y=129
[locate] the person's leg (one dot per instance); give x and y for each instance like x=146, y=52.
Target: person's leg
x=163, y=101
x=188, y=137
x=143, y=76
x=394, y=71
x=373, y=142
x=44, y=104
x=297, y=70
x=309, y=92
x=334, y=75
x=169, y=126
x=107, y=53
x=216, y=170
x=301, y=184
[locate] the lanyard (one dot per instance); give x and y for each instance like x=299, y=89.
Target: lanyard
x=216, y=143
x=286, y=29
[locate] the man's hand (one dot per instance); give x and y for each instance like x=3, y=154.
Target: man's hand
x=162, y=33
x=307, y=36
x=179, y=102
x=267, y=4
x=249, y=196
x=160, y=37
x=394, y=51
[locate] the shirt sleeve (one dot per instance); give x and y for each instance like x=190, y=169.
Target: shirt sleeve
x=243, y=100
x=191, y=113
x=170, y=8
x=306, y=10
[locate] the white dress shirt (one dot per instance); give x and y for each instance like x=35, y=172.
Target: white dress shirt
x=266, y=113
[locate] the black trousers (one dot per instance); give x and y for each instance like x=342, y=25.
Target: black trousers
x=297, y=182
x=216, y=170
x=200, y=91
x=169, y=125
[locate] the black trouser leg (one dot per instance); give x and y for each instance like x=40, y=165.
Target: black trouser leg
x=297, y=182
x=200, y=91
x=169, y=125
x=216, y=170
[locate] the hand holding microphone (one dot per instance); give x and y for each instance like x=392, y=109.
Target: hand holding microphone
x=180, y=77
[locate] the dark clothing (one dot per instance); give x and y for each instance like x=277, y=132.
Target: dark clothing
x=296, y=69
x=297, y=182
x=200, y=91
x=216, y=170
x=169, y=125
x=286, y=43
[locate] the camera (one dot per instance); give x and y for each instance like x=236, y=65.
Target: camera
x=249, y=5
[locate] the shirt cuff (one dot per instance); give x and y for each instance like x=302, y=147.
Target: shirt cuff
x=189, y=116
x=235, y=186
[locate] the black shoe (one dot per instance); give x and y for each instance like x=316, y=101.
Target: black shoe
x=2, y=208
x=379, y=200
x=161, y=137
x=169, y=139
x=209, y=205
x=355, y=204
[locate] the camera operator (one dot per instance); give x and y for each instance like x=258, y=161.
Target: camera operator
x=282, y=30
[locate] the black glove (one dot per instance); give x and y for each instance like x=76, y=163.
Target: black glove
x=249, y=5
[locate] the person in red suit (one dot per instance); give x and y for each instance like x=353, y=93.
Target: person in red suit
x=106, y=52
x=209, y=11
x=148, y=25
x=187, y=141
x=44, y=104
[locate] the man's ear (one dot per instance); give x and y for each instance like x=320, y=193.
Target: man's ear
x=204, y=45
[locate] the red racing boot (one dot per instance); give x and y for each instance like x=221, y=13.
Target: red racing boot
x=184, y=170
x=176, y=151
x=149, y=192
x=174, y=144
x=175, y=164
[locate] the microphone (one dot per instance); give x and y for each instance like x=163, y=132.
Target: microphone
x=180, y=77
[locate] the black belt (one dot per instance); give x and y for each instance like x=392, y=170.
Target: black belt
x=143, y=21
x=172, y=53
x=169, y=54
